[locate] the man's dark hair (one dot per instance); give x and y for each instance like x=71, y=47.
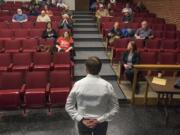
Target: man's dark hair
x=93, y=65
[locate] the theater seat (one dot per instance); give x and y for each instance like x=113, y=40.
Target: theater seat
x=11, y=87
x=59, y=88
x=42, y=61
x=29, y=45
x=12, y=46
x=35, y=89
x=5, y=62
x=22, y=62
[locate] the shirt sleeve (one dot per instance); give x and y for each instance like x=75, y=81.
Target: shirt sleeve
x=113, y=107
x=71, y=105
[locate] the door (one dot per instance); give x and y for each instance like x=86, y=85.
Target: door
x=82, y=5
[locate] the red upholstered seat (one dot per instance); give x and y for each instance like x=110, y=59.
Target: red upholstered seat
x=12, y=46
x=42, y=61
x=36, y=87
x=59, y=88
x=29, y=45
x=22, y=62
x=5, y=62
x=11, y=85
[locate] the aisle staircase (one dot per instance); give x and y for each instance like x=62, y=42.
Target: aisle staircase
x=88, y=42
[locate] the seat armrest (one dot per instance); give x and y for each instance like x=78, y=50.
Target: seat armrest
x=21, y=49
x=10, y=67
x=22, y=90
x=48, y=88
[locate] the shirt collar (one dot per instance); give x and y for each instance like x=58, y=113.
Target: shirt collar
x=93, y=76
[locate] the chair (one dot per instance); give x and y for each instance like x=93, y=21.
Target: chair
x=28, y=25
x=40, y=25
x=169, y=45
x=14, y=25
x=12, y=46
x=170, y=27
x=22, y=62
x=35, y=90
x=139, y=43
x=21, y=33
x=167, y=58
x=29, y=45
x=6, y=33
x=158, y=34
x=36, y=33
x=169, y=35
x=158, y=27
x=59, y=88
x=153, y=45
x=3, y=25
x=11, y=87
x=5, y=62
x=42, y=61
x=148, y=58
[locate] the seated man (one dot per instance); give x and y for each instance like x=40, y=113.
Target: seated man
x=101, y=12
x=19, y=17
x=114, y=33
x=127, y=17
x=144, y=32
x=43, y=17
x=127, y=9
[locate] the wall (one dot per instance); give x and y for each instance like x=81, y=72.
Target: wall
x=71, y=3
x=168, y=9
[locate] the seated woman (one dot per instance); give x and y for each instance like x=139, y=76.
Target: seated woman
x=130, y=57
x=114, y=33
x=49, y=32
x=65, y=44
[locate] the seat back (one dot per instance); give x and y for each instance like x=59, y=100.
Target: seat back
x=61, y=58
x=42, y=58
x=22, y=59
x=167, y=58
x=36, y=79
x=60, y=78
x=11, y=80
x=5, y=59
x=148, y=58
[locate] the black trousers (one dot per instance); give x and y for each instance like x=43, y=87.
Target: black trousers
x=100, y=129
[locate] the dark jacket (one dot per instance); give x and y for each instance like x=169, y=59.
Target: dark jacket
x=115, y=32
x=135, y=58
x=50, y=34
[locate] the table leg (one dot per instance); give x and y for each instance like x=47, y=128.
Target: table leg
x=146, y=94
x=134, y=86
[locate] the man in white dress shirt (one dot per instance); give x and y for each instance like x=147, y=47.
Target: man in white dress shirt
x=92, y=101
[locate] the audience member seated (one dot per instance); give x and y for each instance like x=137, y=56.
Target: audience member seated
x=61, y=4
x=48, y=11
x=65, y=43
x=127, y=17
x=110, y=6
x=66, y=22
x=114, y=33
x=19, y=17
x=140, y=6
x=130, y=57
x=43, y=17
x=49, y=32
x=101, y=12
x=144, y=32
x=127, y=9
x=34, y=10
x=68, y=12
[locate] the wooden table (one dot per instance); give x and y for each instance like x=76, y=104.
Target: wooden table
x=150, y=67
x=165, y=93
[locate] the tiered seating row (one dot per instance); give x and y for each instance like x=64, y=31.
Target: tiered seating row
x=151, y=45
x=34, y=89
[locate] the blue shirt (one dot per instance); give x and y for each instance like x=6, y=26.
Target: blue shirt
x=19, y=17
x=144, y=33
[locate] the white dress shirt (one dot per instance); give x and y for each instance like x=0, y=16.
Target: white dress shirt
x=94, y=98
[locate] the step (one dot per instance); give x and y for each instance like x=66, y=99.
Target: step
x=83, y=16
x=106, y=71
x=85, y=25
x=83, y=12
x=118, y=91
x=86, y=30
x=85, y=20
x=87, y=37
x=89, y=46
x=82, y=56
